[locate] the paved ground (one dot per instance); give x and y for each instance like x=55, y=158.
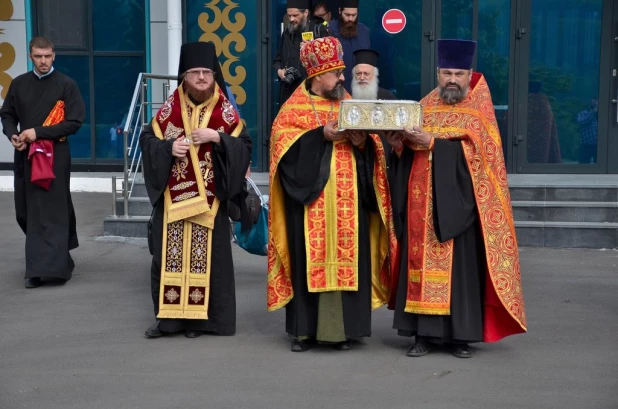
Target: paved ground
x=81, y=345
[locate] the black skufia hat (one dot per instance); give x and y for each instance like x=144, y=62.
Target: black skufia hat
x=203, y=55
x=348, y=4
x=298, y=4
x=366, y=57
x=457, y=54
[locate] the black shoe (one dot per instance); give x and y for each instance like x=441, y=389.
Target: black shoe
x=420, y=348
x=462, y=351
x=300, y=346
x=192, y=334
x=55, y=281
x=153, y=331
x=33, y=282
x=342, y=346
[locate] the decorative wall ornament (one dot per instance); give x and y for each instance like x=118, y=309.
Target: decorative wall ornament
x=222, y=32
x=7, y=51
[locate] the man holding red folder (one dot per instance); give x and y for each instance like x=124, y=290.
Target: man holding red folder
x=41, y=109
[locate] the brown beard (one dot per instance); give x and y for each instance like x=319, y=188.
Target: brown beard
x=335, y=94
x=347, y=29
x=200, y=97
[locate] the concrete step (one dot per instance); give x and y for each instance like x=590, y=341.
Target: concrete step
x=138, y=206
x=132, y=226
x=567, y=234
x=559, y=211
x=564, y=193
x=518, y=194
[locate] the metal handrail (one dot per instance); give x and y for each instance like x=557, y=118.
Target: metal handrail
x=140, y=102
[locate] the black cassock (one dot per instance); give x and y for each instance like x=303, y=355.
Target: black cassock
x=288, y=55
x=304, y=171
x=231, y=161
x=455, y=217
x=47, y=217
x=385, y=94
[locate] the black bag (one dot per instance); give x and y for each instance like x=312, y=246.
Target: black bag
x=251, y=199
x=254, y=202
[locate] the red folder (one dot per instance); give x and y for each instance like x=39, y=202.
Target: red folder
x=41, y=153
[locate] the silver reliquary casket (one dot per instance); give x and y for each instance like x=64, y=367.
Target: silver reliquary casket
x=379, y=115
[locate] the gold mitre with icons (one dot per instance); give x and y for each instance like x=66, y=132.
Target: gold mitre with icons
x=379, y=115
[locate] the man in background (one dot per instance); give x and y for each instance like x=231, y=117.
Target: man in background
x=352, y=34
x=588, y=124
x=287, y=63
x=366, y=74
x=322, y=11
x=365, y=84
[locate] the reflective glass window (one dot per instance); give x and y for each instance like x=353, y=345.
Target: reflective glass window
x=118, y=25
x=493, y=57
x=400, y=54
x=112, y=100
x=76, y=67
x=456, y=19
x=565, y=50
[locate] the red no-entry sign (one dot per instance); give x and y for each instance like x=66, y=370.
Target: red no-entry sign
x=394, y=21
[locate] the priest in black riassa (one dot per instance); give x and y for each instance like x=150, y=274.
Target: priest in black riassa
x=287, y=63
x=196, y=153
x=366, y=74
x=365, y=84
x=46, y=216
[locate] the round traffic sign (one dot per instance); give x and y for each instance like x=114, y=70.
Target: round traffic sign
x=394, y=21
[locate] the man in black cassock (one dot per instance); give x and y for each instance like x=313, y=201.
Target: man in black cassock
x=287, y=63
x=352, y=34
x=365, y=84
x=459, y=277
x=329, y=212
x=45, y=216
x=196, y=153
x=365, y=81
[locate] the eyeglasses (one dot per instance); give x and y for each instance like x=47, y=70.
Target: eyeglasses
x=338, y=73
x=321, y=15
x=198, y=73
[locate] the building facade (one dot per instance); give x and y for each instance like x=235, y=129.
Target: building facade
x=551, y=66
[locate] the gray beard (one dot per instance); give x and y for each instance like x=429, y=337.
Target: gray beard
x=453, y=96
x=335, y=94
x=291, y=28
x=369, y=91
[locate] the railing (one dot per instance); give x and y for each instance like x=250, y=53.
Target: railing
x=143, y=106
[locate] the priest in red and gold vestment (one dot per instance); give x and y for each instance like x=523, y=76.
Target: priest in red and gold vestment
x=196, y=153
x=458, y=274
x=330, y=227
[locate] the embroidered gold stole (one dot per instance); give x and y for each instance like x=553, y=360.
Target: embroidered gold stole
x=430, y=262
x=191, y=204
x=331, y=222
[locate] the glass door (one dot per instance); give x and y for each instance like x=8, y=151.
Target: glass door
x=401, y=54
x=562, y=87
x=489, y=23
x=612, y=98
